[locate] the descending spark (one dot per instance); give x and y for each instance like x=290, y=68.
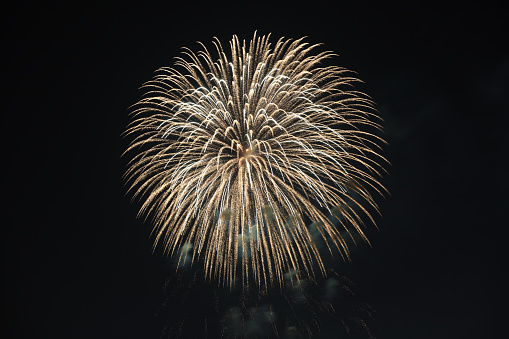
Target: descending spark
x=233, y=154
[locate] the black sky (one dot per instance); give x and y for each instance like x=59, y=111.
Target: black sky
x=78, y=264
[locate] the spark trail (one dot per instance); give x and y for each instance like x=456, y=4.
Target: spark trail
x=234, y=153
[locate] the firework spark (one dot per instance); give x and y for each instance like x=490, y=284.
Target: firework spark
x=234, y=154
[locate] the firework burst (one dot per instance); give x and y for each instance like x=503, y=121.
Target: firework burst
x=233, y=154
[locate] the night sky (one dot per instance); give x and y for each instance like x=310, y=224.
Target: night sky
x=77, y=263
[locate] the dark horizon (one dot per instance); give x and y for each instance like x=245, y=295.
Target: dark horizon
x=78, y=263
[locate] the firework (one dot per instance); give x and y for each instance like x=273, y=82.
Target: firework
x=233, y=154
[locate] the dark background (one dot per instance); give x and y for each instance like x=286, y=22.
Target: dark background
x=78, y=264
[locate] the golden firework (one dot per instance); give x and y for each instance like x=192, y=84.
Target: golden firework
x=232, y=155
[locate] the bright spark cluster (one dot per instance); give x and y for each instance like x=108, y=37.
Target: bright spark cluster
x=233, y=154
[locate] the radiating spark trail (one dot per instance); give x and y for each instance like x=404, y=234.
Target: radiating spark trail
x=266, y=129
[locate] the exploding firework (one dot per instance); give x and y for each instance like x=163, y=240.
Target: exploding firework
x=233, y=154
